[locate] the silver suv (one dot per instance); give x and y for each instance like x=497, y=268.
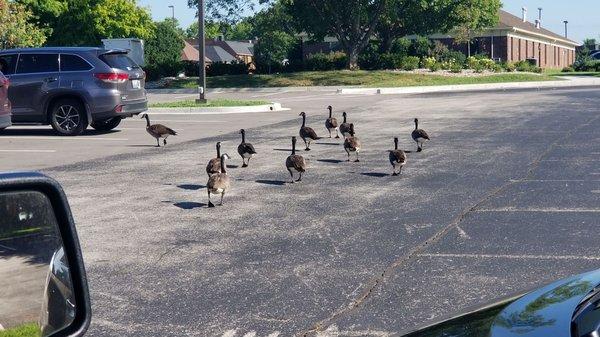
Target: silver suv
x=71, y=88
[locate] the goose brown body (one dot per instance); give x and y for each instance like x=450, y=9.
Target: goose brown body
x=214, y=165
x=397, y=158
x=246, y=150
x=306, y=133
x=352, y=144
x=219, y=183
x=331, y=123
x=295, y=162
x=419, y=136
x=345, y=126
x=158, y=131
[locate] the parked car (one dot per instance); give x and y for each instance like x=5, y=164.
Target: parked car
x=5, y=115
x=71, y=88
x=595, y=55
x=565, y=308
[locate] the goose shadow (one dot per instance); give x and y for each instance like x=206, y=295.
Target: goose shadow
x=187, y=205
x=375, y=174
x=272, y=182
x=283, y=150
x=142, y=145
x=330, y=161
x=232, y=166
x=331, y=144
x=191, y=187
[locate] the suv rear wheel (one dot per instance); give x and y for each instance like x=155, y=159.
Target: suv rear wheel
x=68, y=117
x=107, y=124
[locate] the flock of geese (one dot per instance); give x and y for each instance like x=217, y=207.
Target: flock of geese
x=219, y=182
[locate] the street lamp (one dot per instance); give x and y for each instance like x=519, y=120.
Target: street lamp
x=201, y=46
x=566, y=28
x=173, y=12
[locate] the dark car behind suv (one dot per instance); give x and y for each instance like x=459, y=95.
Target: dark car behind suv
x=5, y=115
x=71, y=88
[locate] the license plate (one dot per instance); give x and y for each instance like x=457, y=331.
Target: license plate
x=136, y=84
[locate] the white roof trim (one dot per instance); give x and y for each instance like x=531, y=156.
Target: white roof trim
x=552, y=38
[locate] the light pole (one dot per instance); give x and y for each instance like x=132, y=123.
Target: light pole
x=201, y=45
x=566, y=28
x=172, y=12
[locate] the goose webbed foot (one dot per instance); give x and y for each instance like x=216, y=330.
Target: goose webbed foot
x=357, y=161
x=210, y=205
x=307, y=149
x=338, y=136
x=165, y=141
x=394, y=174
x=244, y=165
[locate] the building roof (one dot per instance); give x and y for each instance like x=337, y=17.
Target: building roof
x=241, y=47
x=190, y=53
x=218, y=54
x=510, y=21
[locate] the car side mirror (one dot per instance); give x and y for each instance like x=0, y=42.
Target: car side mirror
x=43, y=286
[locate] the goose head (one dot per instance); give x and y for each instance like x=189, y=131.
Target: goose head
x=416, y=123
x=219, y=149
x=396, y=143
x=330, y=108
x=351, y=129
x=225, y=156
x=303, y=114
x=344, y=114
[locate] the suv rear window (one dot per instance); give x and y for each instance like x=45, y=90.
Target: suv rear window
x=8, y=63
x=37, y=63
x=119, y=61
x=73, y=63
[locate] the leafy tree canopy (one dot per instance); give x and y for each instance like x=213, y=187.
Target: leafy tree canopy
x=17, y=29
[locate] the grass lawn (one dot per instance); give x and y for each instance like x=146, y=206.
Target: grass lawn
x=216, y=103
x=353, y=78
x=582, y=73
x=26, y=330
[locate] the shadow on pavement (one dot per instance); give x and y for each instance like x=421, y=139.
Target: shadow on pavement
x=330, y=161
x=375, y=174
x=272, y=182
x=191, y=187
x=187, y=205
x=283, y=150
x=331, y=144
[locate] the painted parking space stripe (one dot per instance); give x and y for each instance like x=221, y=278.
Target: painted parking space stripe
x=181, y=121
x=65, y=138
x=514, y=257
x=28, y=151
x=540, y=210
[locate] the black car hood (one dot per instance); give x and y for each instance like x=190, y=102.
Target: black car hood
x=547, y=311
x=544, y=312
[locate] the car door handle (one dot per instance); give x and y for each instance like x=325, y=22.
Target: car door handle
x=50, y=79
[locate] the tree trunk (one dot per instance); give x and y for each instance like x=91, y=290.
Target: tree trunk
x=352, y=59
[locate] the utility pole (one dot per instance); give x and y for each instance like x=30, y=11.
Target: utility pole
x=566, y=28
x=201, y=45
x=172, y=12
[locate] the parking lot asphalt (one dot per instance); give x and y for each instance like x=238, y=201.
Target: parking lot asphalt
x=504, y=198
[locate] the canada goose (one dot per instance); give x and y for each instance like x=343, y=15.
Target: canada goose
x=331, y=123
x=352, y=144
x=419, y=136
x=345, y=127
x=397, y=158
x=158, y=131
x=295, y=162
x=219, y=183
x=246, y=150
x=214, y=165
x=307, y=134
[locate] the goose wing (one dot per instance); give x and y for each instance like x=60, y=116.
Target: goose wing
x=331, y=123
x=307, y=132
x=416, y=134
x=161, y=130
x=397, y=156
x=214, y=166
x=219, y=182
x=296, y=162
x=246, y=148
x=352, y=143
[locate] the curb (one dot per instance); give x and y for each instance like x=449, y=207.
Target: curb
x=472, y=87
x=213, y=111
x=250, y=90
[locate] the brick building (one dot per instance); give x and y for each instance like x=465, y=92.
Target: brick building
x=516, y=39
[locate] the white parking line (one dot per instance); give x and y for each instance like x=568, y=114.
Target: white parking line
x=65, y=138
x=516, y=257
x=542, y=210
x=29, y=151
x=184, y=121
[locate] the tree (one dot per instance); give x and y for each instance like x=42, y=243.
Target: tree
x=468, y=17
x=16, y=27
x=353, y=24
x=86, y=22
x=163, y=51
x=273, y=48
x=228, y=10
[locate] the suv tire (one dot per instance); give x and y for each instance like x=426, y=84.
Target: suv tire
x=68, y=117
x=107, y=124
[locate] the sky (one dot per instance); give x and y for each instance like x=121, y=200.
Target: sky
x=582, y=15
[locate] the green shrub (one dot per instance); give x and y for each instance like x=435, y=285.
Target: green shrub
x=438, y=50
x=537, y=70
x=457, y=56
x=524, y=66
x=568, y=69
x=390, y=61
x=428, y=62
x=487, y=63
x=478, y=67
x=509, y=67
x=369, y=58
x=472, y=62
x=435, y=66
x=220, y=69
x=410, y=63
x=420, y=47
x=587, y=64
x=497, y=68
x=323, y=62
x=401, y=46
x=456, y=68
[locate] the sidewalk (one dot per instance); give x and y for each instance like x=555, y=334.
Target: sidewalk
x=563, y=82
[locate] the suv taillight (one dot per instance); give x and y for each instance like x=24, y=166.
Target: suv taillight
x=112, y=77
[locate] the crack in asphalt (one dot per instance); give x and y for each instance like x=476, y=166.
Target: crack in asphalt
x=379, y=279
